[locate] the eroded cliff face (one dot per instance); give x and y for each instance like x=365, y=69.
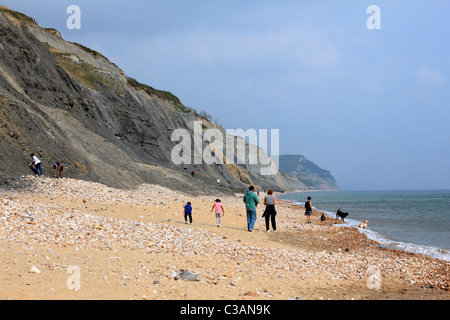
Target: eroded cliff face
x=68, y=103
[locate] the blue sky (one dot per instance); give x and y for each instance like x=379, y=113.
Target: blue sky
x=371, y=106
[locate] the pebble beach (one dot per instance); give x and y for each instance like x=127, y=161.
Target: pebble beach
x=135, y=244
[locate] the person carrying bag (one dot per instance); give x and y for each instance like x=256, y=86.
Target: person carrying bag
x=270, y=212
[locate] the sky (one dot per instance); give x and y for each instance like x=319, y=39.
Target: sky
x=372, y=105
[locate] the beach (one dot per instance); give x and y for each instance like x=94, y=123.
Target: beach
x=72, y=239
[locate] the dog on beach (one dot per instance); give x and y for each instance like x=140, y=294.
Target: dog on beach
x=341, y=214
x=364, y=225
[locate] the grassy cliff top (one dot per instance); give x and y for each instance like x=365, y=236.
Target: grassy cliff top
x=20, y=17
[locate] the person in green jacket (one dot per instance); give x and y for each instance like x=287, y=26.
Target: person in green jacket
x=251, y=201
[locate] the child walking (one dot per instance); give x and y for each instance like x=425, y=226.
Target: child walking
x=188, y=213
x=220, y=211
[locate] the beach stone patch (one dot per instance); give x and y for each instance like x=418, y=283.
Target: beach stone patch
x=185, y=275
x=312, y=250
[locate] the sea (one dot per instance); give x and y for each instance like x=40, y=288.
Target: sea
x=414, y=221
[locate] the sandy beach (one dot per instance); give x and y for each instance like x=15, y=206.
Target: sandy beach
x=71, y=239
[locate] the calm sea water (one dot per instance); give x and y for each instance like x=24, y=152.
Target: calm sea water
x=415, y=221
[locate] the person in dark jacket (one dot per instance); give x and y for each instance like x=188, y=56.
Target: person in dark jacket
x=270, y=212
x=308, y=210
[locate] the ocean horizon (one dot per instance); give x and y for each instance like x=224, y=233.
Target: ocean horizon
x=411, y=220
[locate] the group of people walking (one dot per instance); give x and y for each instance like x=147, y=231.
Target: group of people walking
x=217, y=207
x=251, y=201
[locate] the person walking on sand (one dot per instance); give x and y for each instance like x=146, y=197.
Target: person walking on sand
x=188, y=213
x=220, y=211
x=59, y=167
x=251, y=201
x=308, y=210
x=37, y=164
x=270, y=212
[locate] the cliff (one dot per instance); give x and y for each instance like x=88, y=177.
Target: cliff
x=307, y=173
x=68, y=103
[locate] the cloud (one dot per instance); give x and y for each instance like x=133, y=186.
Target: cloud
x=429, y=75
x=294, y=46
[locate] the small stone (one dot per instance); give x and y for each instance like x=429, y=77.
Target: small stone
x=187, y=275
x=34, y=269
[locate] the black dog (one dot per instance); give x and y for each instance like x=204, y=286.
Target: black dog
x=341, y=214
